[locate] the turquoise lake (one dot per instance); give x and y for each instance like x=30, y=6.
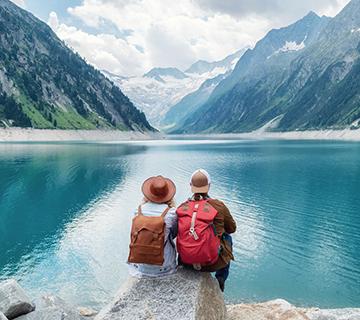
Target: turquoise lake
x=65, y=214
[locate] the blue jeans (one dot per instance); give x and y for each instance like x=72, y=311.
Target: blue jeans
x=224, y=272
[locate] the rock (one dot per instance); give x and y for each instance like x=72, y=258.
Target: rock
x=13, y=300
x=274, y=310
x=52, y=308
x=334, y=314
x=282, y=310
x=2, y=316
x=185, y=295
x=87, y=312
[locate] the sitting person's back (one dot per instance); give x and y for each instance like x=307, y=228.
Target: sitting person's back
x=205, y=225
x=156, y=217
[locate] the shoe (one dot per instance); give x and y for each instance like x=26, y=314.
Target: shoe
x=221, y=283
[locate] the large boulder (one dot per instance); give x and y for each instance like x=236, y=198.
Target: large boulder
x=185, y=295
x=52, y=308
x=2, y=316
x=13, y=300
x=280, y=310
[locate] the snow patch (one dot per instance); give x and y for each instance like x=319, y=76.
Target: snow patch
x=290, y=46
x=355, y=30
x=272, y=124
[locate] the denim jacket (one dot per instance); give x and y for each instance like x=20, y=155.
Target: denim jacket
x=170, y=264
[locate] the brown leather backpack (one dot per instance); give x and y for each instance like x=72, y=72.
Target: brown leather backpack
x=147, y=239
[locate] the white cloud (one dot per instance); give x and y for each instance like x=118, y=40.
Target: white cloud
x=53, y=21
x=278, y=10
x=20, y=3
x=176, y=33
x=334, y=7
x=104, y=51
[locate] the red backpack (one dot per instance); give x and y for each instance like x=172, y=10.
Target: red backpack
x=197, y=242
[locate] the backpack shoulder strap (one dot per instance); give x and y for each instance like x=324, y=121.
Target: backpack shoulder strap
x=165, y=212
x=185, y=203
x=139, y=212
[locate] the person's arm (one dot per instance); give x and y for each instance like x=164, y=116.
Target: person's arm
x=173, y=223
x=229, y=222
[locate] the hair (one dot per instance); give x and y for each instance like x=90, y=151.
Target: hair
x=200, y=196
x=171, y=203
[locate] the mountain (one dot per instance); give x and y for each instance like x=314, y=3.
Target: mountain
x=189, y=104
x=157, y=91
x=203, y=66
x=276, y=50
x=329, y=72
x=158, y=73
x=301, y=77
x=155, y=95
x=43, y=84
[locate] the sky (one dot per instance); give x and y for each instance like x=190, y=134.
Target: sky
x=129, y=37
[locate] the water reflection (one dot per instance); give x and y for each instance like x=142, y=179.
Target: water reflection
x=44, y=187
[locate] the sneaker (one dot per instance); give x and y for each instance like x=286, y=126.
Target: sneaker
x=221, y=283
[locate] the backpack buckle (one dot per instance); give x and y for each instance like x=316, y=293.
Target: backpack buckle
x=193, y=233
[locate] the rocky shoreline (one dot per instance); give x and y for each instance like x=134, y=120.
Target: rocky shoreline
x=185, y=295
x=282, y=310
x=16, y=304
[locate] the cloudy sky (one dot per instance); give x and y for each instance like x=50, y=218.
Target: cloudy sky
x=129, y=37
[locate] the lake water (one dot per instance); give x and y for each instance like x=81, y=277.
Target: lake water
x=65, y=213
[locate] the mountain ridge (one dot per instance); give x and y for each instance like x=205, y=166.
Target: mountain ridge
x=158, y=90
x=305, y=79
x=202, y=66
x=191, y=103
x=160, y=72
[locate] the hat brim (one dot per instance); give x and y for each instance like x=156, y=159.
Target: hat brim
x=158, y=199
x=204, y=189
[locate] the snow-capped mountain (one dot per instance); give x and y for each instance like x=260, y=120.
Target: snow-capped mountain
x=301, y=77
x=158, y=73
x=190, y=103
x=203, y=66
x=161, y=88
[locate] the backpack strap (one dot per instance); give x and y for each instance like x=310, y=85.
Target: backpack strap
x=193, y=221
x=139, y=212
x=165, y=212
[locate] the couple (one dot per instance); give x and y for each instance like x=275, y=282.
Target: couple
x=201, y=226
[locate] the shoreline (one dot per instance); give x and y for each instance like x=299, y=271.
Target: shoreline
x=49, y=135
x=341, y=135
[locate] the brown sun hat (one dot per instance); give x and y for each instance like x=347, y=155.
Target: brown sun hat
x=158, y=189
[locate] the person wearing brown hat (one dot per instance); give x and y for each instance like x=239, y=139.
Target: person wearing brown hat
x=157, y=215
x=195, y=210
